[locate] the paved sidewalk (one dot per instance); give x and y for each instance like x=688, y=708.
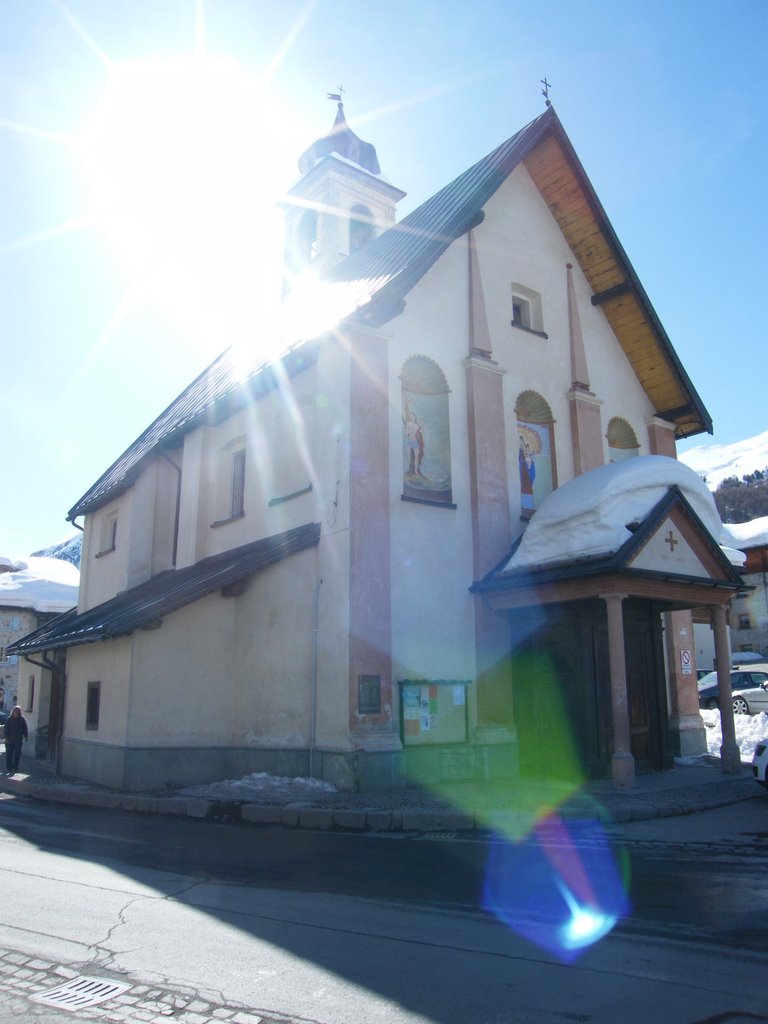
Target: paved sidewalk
x=460, y=806
x=32, y=992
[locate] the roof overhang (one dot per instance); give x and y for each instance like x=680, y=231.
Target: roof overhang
x=560, y=178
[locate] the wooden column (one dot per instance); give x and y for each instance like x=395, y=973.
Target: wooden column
x=730, y=755
x=622, y=763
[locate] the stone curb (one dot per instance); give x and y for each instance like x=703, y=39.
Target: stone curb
x=375, y=819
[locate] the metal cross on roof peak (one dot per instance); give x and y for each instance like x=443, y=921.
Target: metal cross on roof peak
x=545, y=91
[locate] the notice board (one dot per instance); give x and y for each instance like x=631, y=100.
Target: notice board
x=433, y=711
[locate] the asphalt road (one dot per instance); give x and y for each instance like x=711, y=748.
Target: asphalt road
x=346, y=928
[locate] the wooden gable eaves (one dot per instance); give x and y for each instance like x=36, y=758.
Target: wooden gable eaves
x=560, y=178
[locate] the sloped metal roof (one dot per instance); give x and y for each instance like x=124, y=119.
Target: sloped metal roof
x=144, y=606
x=223, y=388
x=371, y=285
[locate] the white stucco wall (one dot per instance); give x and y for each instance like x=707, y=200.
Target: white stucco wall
x=104, y=573
x=181, y=677
x=107, y=663
x=520, y=242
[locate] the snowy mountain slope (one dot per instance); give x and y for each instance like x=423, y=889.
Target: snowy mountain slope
x=715, y=462
x=69, y=550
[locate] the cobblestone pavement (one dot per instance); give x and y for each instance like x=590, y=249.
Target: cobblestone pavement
x=24, y=980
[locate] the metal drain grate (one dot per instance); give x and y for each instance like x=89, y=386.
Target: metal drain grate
x=80, y=992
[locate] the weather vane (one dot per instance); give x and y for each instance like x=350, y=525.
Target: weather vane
x=545, y=91
x=336, y=95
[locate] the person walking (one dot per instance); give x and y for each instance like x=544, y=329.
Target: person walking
x=15, y=731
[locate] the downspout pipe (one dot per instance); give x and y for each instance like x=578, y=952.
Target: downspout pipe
x=53, y=668
x=313, y=695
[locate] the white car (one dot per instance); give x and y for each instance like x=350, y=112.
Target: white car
x=749, y=686
x=760, y=763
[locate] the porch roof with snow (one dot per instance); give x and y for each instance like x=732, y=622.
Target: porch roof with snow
x=371, y=287
x=143, y=606
x=646, y=528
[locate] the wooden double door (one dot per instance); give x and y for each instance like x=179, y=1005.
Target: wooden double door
x=562, y=691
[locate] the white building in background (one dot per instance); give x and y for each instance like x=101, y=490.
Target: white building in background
x=749, y=611
x=32, y=592
x=327, y=540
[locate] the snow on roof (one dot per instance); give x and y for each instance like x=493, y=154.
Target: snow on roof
x=588, y=516
x=753, y=534
x=41, y=584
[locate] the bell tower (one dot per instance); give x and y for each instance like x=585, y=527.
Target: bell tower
x=340, y=203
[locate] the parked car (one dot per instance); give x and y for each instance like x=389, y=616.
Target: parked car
x=760, y=763
x=750, y=690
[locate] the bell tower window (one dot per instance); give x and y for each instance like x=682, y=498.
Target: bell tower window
x=308, y=237
x=360, y=227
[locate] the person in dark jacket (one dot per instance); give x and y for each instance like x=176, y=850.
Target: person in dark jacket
x=16, y=732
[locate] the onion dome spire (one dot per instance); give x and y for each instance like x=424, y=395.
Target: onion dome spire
x=342, y=141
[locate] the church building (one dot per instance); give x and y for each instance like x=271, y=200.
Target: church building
x=441, y=535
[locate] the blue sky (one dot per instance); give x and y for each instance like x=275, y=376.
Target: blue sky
x=146, y=144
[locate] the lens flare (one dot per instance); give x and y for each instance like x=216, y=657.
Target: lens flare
x=552, y=874
x=560, y=886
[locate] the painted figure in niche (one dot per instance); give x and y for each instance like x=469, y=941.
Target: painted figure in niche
x=527, y=471
x=535, y=464
x=414, y=439
x=426, y=446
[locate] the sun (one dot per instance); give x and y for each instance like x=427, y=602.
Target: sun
x=184, y=162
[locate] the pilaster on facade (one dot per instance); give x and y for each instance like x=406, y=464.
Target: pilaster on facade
x=586, y=431
x=479, y=334
x=370, y=584
x=586, y=423
x=661, y=437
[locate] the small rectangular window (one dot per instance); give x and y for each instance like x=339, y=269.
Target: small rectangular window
x=521, y=312
x=237, y=505
x=92, y=706
x=369, y=695
x=745, y=622
x=108, y=536
x=31, y=694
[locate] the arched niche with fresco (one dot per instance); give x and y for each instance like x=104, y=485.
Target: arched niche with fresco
x=535, y=451
x=426, y=432
x=622, y=440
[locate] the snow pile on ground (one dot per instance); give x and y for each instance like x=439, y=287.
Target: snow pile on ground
x=266, y=788
x=750, y=730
